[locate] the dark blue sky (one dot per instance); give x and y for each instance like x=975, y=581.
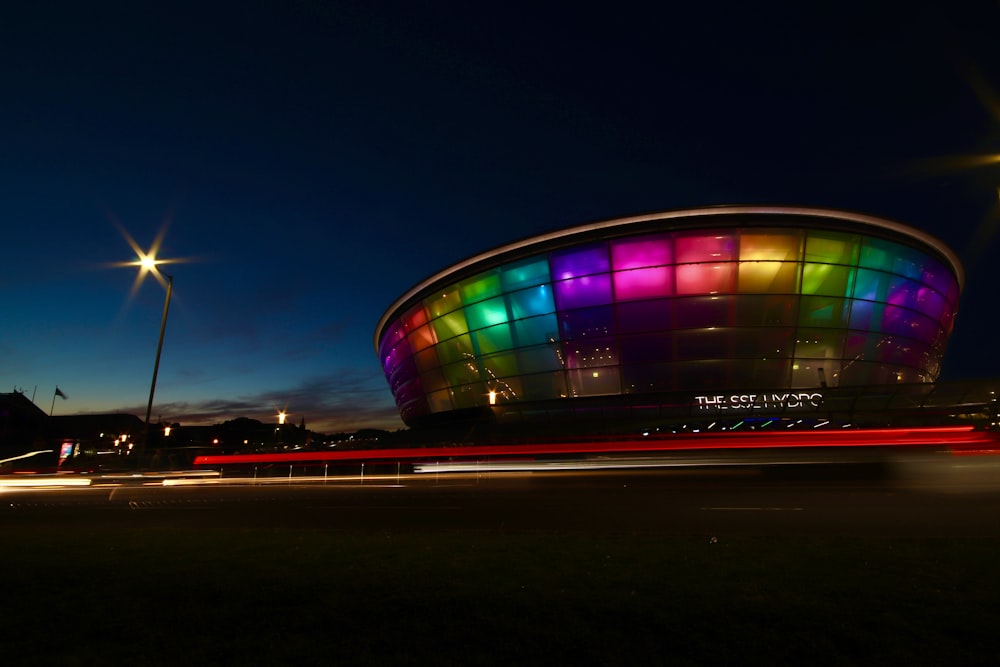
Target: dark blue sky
x=316, y=159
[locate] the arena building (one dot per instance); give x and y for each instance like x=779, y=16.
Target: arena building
x=731, y=313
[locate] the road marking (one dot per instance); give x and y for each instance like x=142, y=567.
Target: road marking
x=752, y=509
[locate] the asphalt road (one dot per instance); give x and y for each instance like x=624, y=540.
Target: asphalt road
x=918, y=497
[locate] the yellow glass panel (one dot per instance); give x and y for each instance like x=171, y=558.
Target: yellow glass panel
x=768, y=277
x=760, y=246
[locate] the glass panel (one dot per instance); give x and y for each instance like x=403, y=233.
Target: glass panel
x=706, y=311
x=877, y=254
x=763, y=343
x=439, y=401
x=705, y=278
x=703, y=344
x=536, y=330
x=480, y=287
x=501, y=365
x=806, y=372
x=539, y=358
x=903, y=292
x=827, y=279
x=590, y=353
x=823, y=311
x=819, y=344
x=831, y=248
x=941, y=279
x=469, y=396
x=931, y=303
x=445, y=302
x=872, y=285
x=645, y=348
x=525, y=273
x=421, y=338
x=866, y=315
x=456, y=349
x=533, y=301
x=781, y=246
x=641, y=252
x=580, y=261
x=426, y=360
x=595, y=382
x=705, y=246
x=414, y=318
x=460, y=373
x=581, y=292
x=645, y=316
x=493, y=339
x=759, y=310
x=543, y=386
x=644, y=283
x=433, y=380
x=486, y=313
x=599, y=321
x=450, y=325
x=763, y=277
x=702, y=375
x=905, y=322
x=769, y=373
x=644, y=378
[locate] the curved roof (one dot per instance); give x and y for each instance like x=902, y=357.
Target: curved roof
x=554, y=237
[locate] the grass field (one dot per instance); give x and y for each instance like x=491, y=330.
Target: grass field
x=89, y=596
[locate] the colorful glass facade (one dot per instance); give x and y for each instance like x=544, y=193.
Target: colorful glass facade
x=727, y=297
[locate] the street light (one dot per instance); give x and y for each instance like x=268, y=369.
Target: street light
x=148, y=264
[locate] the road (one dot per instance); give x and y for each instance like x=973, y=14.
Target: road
x=959, y=496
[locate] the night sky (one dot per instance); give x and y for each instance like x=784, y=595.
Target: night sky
x=314, y=160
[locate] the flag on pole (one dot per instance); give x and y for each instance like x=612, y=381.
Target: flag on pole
x=59, y=393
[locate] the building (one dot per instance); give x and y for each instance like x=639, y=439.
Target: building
x=724, y=312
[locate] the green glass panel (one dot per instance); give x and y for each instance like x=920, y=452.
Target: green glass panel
x=450, y=325
x=832, y=248
x=501, y=365
x=461, y=373
x=879, y=254
x=445, y=302
x=526, y=273
x=455, y=349
x=822, y=311
x=486, y=313
x=827, y=279
x=494, y=339
x=480, y=287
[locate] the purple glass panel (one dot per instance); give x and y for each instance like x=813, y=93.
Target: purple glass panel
x=575, y=262
x=905, y=322
x=582, y=292
x=866, y=315
x=638, y=316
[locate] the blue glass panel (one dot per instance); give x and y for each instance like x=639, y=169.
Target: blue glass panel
x=536, y=330
x=587, y=322
x=524, y=273
x=532, y=301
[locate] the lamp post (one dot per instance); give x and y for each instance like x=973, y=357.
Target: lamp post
x=156, y=365
x=149, y=264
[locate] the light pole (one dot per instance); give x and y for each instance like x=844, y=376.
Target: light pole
x=149, y=264
x=156, y=365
